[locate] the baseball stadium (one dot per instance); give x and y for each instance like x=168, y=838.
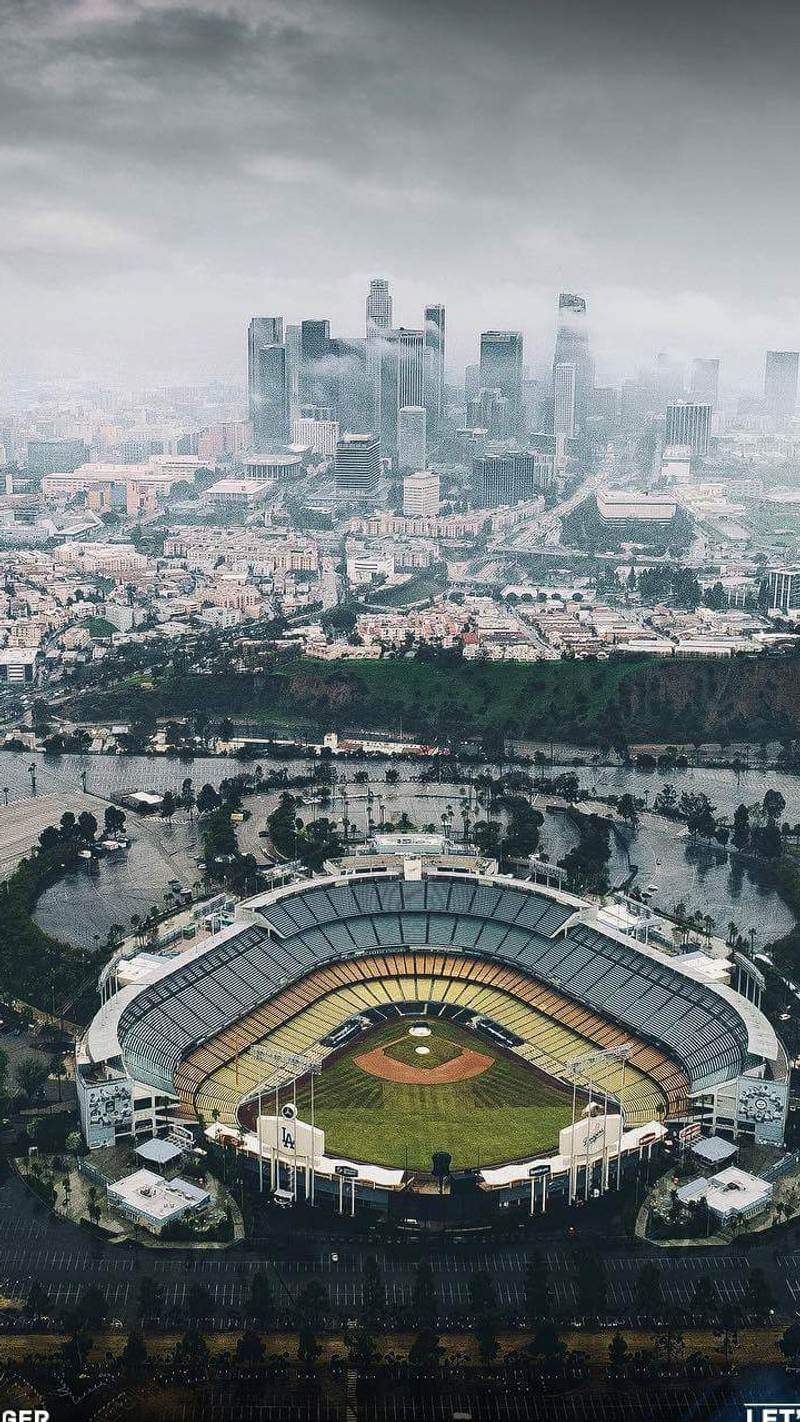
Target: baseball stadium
x=418, y=1006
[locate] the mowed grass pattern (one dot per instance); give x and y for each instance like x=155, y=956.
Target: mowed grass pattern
x=507, y=1113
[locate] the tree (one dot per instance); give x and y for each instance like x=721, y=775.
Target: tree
x=705, y=1299
x=727, y=1331
x=91, y=1310
x=773, y=804
x=134, y=1354
x=424, y=1300
x=207, y=800
x=38, y=1301
x=374, y=1293
x=30, y=1075
x=425, y=1352
x=483, y=1306
x=168, y=805
x=538, y=1303
x=648, y=1290
x=547, y=1344
x=192, y=1351
x=250, y=1349
x=114, y=819
x=262, y=1302
x=618, y=1351
x=225, y=730
x=200, y=1303
x=758, y=1298
x=590, y=1278
x=151, y=1298
x=87, y=826
x=789, y=1343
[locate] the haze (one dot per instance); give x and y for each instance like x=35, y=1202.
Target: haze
x=170, y=168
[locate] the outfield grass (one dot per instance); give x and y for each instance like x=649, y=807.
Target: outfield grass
x=507, y=1113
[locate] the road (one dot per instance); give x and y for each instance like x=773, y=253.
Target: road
x=36, y=1245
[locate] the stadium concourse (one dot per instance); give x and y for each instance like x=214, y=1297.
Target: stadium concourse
x=545, y=1042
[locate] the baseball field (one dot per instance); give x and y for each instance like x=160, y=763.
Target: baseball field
x=409, y=1088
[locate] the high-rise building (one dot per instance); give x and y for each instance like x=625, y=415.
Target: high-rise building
x=322, y=436
x=434, y=364
x=358, y=467
x=266, y=381
x=704, y=383
x=501, y=369
x=412, y=452
x=472, y=382
x=379, y=306
x=784, y=589
x=401, y=359
x=780, y=384
x=499, y=479
x=55, y=456
x=564, y=399
x=689, y=423
x=294, y=359
x=421, y=494
x=572, y=348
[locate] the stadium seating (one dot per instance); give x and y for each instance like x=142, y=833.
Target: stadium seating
x=320, y=953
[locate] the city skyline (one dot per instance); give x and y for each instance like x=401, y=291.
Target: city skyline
x=348, y=140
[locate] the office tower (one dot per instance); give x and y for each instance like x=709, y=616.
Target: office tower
x=401, y=356
x=322, y=436
x=354, y=394
x=704, y=383
x=315, y=340
x=434, y=365
x=411, y=437
x=472, y=382
x=501, y=369
x=572, y=348
x=379, y=306
x=358, y=467
x=266, y=381
x=565, y=399
x=421, y=494
x=489, y=410
x=55, y=456
x=294, y=359
x=780, y=384
x=688, y=423
x=784, y=589
x=318, y=376
x=410, y=366
x=499, y=479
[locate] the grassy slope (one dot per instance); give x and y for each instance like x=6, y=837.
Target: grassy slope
x=585, y=702
x=508, y=1112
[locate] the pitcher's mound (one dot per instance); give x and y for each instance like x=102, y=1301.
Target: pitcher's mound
x=379, y=1063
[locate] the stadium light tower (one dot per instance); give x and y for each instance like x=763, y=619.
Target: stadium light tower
x=580, y=1069
x=288, y=1069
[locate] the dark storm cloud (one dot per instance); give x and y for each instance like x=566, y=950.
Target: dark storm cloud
x=169, y=167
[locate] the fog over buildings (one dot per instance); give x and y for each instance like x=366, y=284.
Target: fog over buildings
x=170, y=167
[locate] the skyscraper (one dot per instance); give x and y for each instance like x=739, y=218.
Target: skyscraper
x=379, y=306
x=358, y=467
x=501, y=369
x=434, y=364
x=294, y=360
x=572, y=348
x=689, y=424
x=499, y=479
x=268, y=403
x=411, y=438
x=402, y=379
x=780, y=384
x=564, y=399
x=704, y=384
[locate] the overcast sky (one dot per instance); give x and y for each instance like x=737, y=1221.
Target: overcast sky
x=170, y=167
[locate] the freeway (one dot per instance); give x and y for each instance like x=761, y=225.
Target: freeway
x=35, y=1245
